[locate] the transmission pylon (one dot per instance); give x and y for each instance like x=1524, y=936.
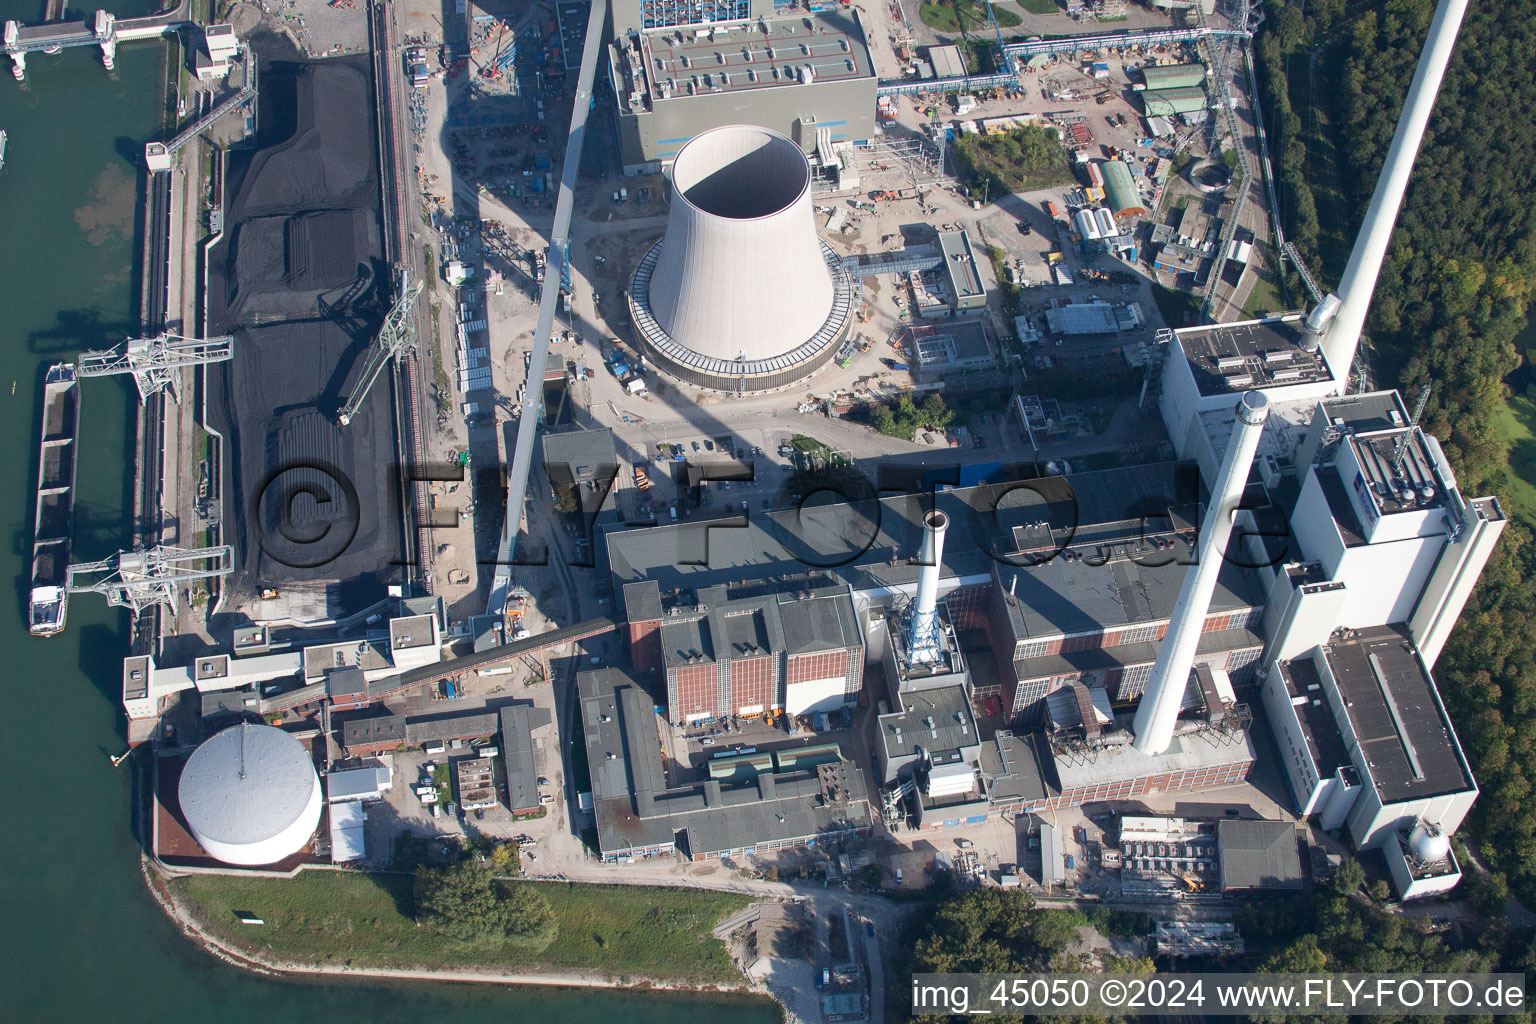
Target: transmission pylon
x=154, y=362
x=140, y=579
x=397, y=334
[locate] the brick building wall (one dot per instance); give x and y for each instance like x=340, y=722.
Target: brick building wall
x=752, y=685
x=645, y=647
x=693, y=690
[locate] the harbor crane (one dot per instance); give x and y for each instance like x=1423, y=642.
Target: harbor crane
x=140, y=579
x=397, y=334
x=154, y=362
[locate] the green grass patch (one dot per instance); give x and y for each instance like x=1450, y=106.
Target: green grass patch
x=366, y=920
x=1173, y=304
x=1022, y=160
x=1515, y=426
x=1264, y=296
x=963, y=16
x=1043, y=7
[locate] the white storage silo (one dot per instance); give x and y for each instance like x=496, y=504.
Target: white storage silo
x=250, y=795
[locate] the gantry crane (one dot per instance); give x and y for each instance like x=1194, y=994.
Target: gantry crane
x=154, y=361
x=397, y=334
x=139, y=579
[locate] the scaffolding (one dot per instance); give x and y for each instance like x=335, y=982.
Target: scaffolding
x=153, y=362
x=141, y=579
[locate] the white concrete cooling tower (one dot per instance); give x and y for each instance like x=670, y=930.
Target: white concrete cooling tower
x=740, y=294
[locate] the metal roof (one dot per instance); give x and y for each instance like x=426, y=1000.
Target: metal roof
x=1257, y=855
x=1173, y=76
x=761, y=54
x=517, y=725
x=1184, y=100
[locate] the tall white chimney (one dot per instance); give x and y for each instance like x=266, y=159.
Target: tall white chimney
x=923, y=640
x=1158, y=711
x=1359, y=281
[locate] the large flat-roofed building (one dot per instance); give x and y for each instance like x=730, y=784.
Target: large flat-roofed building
x=805, y=76
x=1073, y=579
x=748, y=650
x=1398, y=736
x=641, y=814
x=953, y=347
x=1258, y=857
x=520, y=756
x=1209, y=366
x=966, y=290
x=579, y=456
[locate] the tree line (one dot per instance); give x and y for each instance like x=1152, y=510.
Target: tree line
x=1453, y=295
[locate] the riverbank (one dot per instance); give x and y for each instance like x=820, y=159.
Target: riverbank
x=634, y=939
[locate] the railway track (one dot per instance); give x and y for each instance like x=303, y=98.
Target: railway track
x=393, y=160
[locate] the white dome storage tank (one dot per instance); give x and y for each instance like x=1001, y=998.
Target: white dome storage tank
x=250, y=795
x=1429, y=845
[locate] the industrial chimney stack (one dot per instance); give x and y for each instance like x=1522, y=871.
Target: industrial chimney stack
x=1342, y=337
x=923, y=640
x=1158, y=711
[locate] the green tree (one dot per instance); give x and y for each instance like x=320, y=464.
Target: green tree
x=1349, y=877
x=565, y=499
x=465, y=903
x=506, y=859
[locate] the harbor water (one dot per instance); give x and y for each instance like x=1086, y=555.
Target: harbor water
x=82, y=939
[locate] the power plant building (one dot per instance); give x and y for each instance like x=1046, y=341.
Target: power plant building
x=740, y=294
x=691, y=68
x=644, y=809
x=747, y=653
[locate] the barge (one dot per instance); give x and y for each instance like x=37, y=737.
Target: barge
x=56, y=460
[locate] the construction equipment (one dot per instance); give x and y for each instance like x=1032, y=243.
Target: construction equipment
x=397, y=334
x=460, y=459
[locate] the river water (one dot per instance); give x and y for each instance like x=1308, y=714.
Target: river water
x=80, y=938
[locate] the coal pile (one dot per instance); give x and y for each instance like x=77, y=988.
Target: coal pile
x=298, y=279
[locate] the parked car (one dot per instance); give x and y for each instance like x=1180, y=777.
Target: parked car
x=546, y=798
x=543, y=781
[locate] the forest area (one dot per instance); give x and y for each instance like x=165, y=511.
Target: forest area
x=1330, y=929
x=1452, y=298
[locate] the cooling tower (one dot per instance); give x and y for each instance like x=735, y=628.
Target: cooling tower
x=740, y=294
